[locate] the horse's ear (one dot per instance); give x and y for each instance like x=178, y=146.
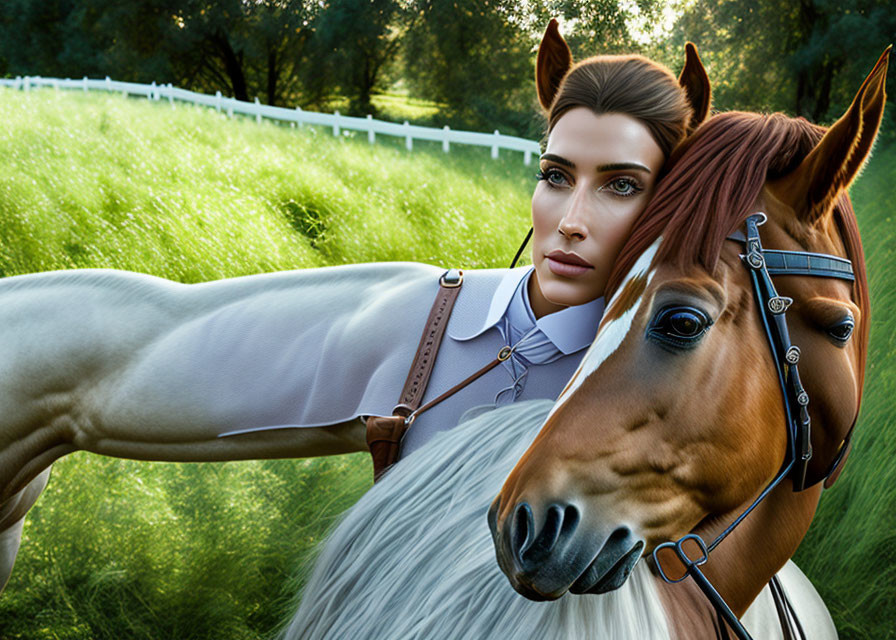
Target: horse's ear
x=554, y=60
x=836, y=160
x=695, y=82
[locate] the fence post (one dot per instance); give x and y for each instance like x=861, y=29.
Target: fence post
x=299, y=111
x=218, y=101
x=371, y=136
x=18, y=84
x=84, y=83
x=257, y=111
x=27, y=86
x=171, y=95
x=495, y=145
x=230, y=107
x=152, y=91
x=56, y=85
x=445, y=144
x=408, y=140
x=108, y=83
x=336, y=123
x=527, y=158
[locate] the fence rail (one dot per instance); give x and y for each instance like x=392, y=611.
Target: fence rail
x=338, y=122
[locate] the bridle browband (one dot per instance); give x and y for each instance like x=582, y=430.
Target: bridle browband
x=762, y=264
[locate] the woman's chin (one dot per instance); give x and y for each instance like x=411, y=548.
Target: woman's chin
x=564, y=294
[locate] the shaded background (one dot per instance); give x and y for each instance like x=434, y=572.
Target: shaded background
x=147, y=550
x=471, y=58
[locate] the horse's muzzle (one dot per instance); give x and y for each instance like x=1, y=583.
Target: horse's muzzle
x=544, y=563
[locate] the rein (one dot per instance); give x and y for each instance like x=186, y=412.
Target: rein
x=762, y=264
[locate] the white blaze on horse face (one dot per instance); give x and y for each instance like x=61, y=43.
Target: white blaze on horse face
x=611, y=334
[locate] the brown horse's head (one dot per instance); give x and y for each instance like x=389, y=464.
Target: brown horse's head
x=674, y=421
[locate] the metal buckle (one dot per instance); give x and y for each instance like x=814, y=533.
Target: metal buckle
x=452, y=278
x=678, y=548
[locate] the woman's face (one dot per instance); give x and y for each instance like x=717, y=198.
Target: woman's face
x=597, y=175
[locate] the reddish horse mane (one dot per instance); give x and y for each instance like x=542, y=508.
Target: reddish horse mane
x=713, y=179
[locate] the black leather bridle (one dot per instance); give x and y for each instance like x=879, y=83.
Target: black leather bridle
x=762, y=264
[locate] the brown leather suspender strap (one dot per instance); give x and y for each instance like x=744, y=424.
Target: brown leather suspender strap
x=502, y=356
x=421, y=368
x=384, y=433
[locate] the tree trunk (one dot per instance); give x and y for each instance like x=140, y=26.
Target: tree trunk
x=273, y=76
x=232, y=66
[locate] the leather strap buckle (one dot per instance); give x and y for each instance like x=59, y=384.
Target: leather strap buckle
x=452, y=278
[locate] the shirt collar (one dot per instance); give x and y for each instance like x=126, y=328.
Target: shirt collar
x=570, y=329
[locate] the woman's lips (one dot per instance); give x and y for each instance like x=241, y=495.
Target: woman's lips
x=567, y=264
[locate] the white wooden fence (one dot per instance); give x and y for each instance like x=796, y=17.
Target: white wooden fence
x=338, y=122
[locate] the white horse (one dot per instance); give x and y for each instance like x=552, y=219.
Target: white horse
x=414, y=559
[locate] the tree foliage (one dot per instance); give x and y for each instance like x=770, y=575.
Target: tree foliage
x=473, y=58
x=354, y=41
x=805, y=58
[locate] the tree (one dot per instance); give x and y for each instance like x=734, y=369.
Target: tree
x=250, y=47
x=474, y=58
x=240, y=47
x=806, y=58
x=354, y=41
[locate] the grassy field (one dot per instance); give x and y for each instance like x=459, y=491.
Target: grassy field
x=118, y=548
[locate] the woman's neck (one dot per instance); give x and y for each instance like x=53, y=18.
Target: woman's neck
x=541, y=306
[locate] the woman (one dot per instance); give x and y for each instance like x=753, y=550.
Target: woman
x=612, y=123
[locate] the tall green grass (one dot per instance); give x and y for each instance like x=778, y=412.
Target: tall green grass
x=850, y=551
x=117, y=548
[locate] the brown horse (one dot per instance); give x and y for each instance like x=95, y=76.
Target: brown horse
x=674, y=422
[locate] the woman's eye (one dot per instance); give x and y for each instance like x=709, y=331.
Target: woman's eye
x=842, y=331
x=553, y=177
x=680, y=327
x=624, y=186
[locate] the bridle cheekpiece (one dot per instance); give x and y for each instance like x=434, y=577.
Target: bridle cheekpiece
x=762, y=264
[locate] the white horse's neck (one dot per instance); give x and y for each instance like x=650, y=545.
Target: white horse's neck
x=414, y=558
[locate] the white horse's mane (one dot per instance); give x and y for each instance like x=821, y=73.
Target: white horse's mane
x=414, y=557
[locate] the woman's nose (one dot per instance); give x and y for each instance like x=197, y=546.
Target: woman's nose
x=572, y=224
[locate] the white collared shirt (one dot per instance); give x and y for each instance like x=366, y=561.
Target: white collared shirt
x=553, y=338
x=570, y=329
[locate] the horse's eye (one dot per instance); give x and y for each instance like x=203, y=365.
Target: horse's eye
x=842, y=331
x=680, y=327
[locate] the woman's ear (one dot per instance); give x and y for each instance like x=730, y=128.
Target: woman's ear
x=695, y=82
x=554, y=60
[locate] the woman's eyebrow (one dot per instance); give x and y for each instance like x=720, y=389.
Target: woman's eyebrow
x=614, y=166
x=558, y=160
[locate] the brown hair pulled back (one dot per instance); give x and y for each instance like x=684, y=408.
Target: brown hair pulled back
x=630, y=85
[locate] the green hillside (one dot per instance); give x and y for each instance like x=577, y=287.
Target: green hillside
x=118, y=548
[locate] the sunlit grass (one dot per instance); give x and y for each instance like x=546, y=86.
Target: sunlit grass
x=186, y=194
x=850, y=551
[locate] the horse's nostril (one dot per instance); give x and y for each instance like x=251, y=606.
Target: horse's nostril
x=522, y=529
x=531, y=548
x=544, y=543
x=570, y=520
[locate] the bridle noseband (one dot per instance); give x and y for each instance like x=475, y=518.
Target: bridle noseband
x=762, y=264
